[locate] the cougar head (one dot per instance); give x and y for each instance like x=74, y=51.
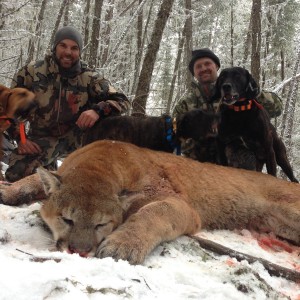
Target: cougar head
x=80, y=214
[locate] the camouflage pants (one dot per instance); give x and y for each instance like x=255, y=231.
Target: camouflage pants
x=53, y=148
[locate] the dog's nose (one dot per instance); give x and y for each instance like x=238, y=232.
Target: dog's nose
x=226, y=87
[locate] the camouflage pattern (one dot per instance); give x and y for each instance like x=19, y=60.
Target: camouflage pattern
x=271, y=102
x=60, y=103
x=197, y=98
x=52, y=149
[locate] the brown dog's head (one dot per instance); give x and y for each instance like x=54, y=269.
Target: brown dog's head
x=15, y=103
x=235, y=84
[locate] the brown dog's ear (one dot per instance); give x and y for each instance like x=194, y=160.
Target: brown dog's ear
x=252, y=90
x=4, y=94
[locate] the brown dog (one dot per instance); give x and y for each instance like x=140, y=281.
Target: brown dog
x=14, y=104
x=157, y=133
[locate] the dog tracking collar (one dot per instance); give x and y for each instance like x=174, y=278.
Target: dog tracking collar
x=22, y=132
x=245, y=105
x=171, y=128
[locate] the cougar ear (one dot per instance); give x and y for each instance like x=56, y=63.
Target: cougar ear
x=51, y=181
x=252, y=90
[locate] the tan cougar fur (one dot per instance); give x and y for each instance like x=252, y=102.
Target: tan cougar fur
x=115, y=199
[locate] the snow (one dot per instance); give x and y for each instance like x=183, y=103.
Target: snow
x=32, y=269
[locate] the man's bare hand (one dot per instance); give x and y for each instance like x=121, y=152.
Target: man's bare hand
x=29, y=147
x=87, y=119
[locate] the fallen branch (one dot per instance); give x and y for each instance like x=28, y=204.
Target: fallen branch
x=273, y=269
x=39, y=259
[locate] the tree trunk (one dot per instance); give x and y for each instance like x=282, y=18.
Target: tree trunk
x=282, y=68
x=188, y=33
x=122, y=36
x=256, y=40
x=247, y=44
x=231, y=34
x=176, y=66
x=141, y=47
x=58, y=19
x=106, y=32
x=2, y=19
x=37, y=33
x=139, y=103
x=94, y=46
x=86, y=29
x=289, y=109
x=66, y=14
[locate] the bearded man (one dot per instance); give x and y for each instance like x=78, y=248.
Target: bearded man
x=70, y=98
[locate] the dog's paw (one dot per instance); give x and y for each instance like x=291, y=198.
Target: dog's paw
x=126, y=247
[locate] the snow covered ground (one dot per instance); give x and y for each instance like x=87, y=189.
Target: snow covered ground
x=181, y=269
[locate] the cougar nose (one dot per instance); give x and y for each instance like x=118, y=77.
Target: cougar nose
x=82, y=252
x=226, y=87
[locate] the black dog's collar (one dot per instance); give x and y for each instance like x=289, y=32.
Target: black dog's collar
x=244, y=105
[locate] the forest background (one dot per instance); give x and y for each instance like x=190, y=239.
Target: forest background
x=144, y=46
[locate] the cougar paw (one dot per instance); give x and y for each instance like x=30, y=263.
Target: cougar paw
x=131, y=249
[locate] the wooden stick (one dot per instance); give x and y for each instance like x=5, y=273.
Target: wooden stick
x=273, y=269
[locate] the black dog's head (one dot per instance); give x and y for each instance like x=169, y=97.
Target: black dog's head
x=235, y=84
x=197, y=124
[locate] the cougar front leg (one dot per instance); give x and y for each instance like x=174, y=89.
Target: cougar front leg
x=154, y=223
x=26, y=190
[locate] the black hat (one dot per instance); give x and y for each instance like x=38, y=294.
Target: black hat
x=69, y=33
x=204, y=52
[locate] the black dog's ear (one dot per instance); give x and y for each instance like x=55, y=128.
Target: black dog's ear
x=252, y=90
x=217, y=92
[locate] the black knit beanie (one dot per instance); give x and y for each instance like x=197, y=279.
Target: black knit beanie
x=204, y=52
x=69, y=33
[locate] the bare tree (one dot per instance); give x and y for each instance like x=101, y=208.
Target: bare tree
x=106, y=32
x=37, y=32
x=289, y=109
x=58, y=20
x=66, y=14
x=125, y=31
x=175, y=72
x=139, y=103
x=188, y=33
x=231, y=34
x=86, y=29
x=94, y=46
x=256, y=39
x=247, y=43
x=140, y=45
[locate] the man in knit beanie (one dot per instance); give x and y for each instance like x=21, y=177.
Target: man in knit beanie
x=71, y=98
x=204, y=67
x=67, y=48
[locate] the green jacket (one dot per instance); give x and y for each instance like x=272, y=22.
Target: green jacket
x=198, y=98
x=61, y=100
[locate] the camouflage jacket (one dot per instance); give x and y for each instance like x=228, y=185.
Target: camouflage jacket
x=198, y=98
x=61, y=100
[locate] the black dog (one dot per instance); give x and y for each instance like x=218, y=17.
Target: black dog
x=197, y=131
x=244, y=119
x=157, y=133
